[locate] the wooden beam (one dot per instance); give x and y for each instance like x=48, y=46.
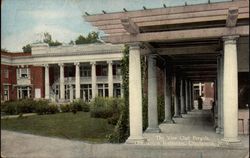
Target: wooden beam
x=179, y=35
x=167, y=11
x=168, y=19
x=188, y=50
x=232, y=17
x=130, y=26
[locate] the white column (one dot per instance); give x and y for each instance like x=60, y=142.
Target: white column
x=221, y=90
x=110, y=78
x=152, y=96
x=183, y=109
x=190, y=96
x=200, y=89
x=62, y=86
x=186, y=96
x=230, y=90
x=167, y=98
x=28, y=92
x=93, y=79
x=135, y=96
x=46, y=66
x=176, y=99
x=71, y=93
x=219, y=105
x=77, y=80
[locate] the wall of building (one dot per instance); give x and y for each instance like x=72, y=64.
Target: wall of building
x=37, y=80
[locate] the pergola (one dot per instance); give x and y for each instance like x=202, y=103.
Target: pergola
x=198, y=41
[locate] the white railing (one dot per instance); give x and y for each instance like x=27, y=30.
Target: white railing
x=87, y=80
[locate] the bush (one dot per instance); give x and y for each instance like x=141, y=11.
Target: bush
x=43, y=107
x=16, y=107
x=9, y=108
x=29, y=106
x=101, y=108
x=85, y=106
x=26, y=106
x=66, y=107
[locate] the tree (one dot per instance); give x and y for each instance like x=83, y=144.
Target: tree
x=92, y=37
x=48, y=39
x=27, y=48
x=4, y=50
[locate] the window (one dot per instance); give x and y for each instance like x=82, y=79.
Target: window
x=85, y=71
x=86, y=92
x=6, y=93
x=101, y=70
x=6, y=73
x=23, y=92
x=116, y=69
x=103, y=90
x=117, y=90
x=23, y=72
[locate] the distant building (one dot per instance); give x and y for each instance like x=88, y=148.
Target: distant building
x=62, y=73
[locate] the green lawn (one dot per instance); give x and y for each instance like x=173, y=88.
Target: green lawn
x=79, y=126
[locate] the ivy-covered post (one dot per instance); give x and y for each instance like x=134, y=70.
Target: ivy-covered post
x=121, y=131
x=135, y=95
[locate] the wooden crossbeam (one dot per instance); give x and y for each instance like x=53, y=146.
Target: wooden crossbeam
x=130, y=26
x=232, y=17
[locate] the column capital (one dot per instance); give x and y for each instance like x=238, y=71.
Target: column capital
x=93, y=63
x=153, y=56
x=110, y=62
x=45, y=65
x=61, y=64
x=134, y=46
x=230, y=39
x=76, y=63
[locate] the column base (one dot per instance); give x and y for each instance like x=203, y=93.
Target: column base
x=153, y=130
x=168, y=121
x=177, y=116
x=184, y=112
x=136, y=140
x=218, y=130
x=231, y=142
x=221, y=131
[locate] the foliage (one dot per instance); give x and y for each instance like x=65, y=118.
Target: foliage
x=16, y=107
x=161, y=108
x=145, y=112
x=28, y=106
x=4, y=50
x=48, y=39
x=43, y=107
x=27, y=48
x=92, y=37
x=66, y=107
x=121, y=131
x=103, y=107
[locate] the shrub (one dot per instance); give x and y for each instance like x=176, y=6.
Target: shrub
x=52, y=109
x=43, y=107
x=85, y=106
x=101, y=108
x=9, y=108
x=66, y=107
x=26, y=106
x=77, y=105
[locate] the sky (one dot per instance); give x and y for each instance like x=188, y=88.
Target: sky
x=24, y=21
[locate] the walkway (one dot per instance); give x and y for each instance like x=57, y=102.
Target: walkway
x=193, y=129
x=190, y=128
